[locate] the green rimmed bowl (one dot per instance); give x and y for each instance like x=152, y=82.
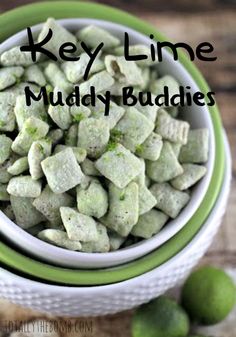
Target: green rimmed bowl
x=39, y=12
x=112, y=298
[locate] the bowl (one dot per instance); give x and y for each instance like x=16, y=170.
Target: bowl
x=48, y=274
x=31, y=14
x=109, y=299
x=198, y=117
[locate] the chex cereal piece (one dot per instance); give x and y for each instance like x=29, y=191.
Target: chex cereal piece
x=191, y=175
x=119, y=165
x=149, y=224
x=123, y=209
x=78, y=226
x=59, y=238
x=166, y=167
x=24, y=186
x=62, y=171
x=169, y=200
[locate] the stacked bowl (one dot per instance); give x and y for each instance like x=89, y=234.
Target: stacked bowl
x=38, y=275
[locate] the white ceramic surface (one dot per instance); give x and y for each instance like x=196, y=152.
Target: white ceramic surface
x=197, y=116
x=102, y=300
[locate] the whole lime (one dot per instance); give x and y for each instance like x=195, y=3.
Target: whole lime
x=159, y=318
x=208, y=295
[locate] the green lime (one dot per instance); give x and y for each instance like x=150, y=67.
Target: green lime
x=159, y=318
x=208, y=295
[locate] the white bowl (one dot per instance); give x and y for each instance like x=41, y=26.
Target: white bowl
x=198, y=117
x=109, y=299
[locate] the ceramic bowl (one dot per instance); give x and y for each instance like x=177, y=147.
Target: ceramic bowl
x=198, y=117
x=109, y=299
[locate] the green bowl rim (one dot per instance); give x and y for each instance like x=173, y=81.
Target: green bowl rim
x=28, y=15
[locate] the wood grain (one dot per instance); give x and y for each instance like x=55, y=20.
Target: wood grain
x=192, y=22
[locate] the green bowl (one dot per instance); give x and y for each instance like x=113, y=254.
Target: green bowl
x=22, y=17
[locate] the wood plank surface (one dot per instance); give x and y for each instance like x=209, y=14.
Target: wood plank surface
x=191, y=22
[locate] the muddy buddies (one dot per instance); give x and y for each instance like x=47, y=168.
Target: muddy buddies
x=81, y=180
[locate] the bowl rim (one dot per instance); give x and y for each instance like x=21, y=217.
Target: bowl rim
x=70, y=259
x=37, y=12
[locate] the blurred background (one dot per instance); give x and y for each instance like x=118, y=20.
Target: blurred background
x=191, y=22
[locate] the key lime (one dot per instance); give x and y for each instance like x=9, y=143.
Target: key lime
x=159, y=318
x=208, y=295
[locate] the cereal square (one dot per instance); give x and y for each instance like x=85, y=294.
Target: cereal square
x=119, y=165
x=62, y=171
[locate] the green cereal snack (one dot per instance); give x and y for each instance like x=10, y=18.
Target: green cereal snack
x=78, y=226
x=173, y=111
x=119, y=165
x=25, y=213
x=7, y=116
x=79, y=152
x=5, y=176
x=123, y=209
x=35, y=75
x=15, y=57
x=197, y=148
x=166, y=167
x=94, y=35
x=101, y=81
x=79, y=113
x=101, y=245
x=19, y=89
x=59, y=238
x=151, y=148
x=137, y=49
x=157, y=86
x=19, y=166
x=149, y=111
x=61, y=116
x=71, y=136
x=57, y=78
x=33, y=129
x=79, y=178
x=93, y=136
x=141, y=177
x=56, y=135
x=176, y=147
x=60, y=36
x=146, y=199
x=116, y=113
x=24, y=186
x=89, y=169
x=10, y=76
x=38, y=151
x=171, y=129
x=74, y=70
x=134, y=128
x=124, y=71
x=92, y=200
x=23, y=112
x=191, y=175
x=62, y=171
x=149, y=224
x=145, y=79
x=49, y=203
x=169, y=200
x=115, y=240
x=5, y=148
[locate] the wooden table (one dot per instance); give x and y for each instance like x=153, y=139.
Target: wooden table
x=192, y=22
